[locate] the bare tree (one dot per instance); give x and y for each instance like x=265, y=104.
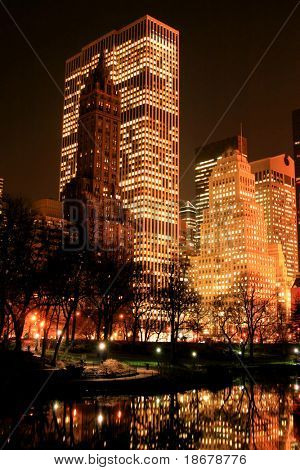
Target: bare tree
x=257, y=310
x=178, y=302
x=21, y=255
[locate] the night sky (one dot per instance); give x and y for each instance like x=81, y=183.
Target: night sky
x=221, y=41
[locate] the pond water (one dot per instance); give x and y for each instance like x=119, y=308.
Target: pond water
x=238, y=417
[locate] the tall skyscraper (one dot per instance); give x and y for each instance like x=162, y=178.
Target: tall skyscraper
x=296, y=148
x=275, y=191
x=187, y=216
x=97, y=181
x=143, y=61
x=206, y=160
x=233, y=239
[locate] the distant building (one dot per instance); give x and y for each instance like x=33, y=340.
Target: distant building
x=187, y=218
x=275, y=191
x=233, y=238
x=206, y=160
x=51, y=228
x=50, y=208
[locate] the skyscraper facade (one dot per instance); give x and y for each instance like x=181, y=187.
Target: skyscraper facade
x=187, y=216
x=206, y=159
x=97, y=182
x=296, y=149
x=233, y=239
x=275, y=191
x=143, y=61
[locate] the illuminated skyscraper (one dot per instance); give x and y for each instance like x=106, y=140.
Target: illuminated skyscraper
x=97, y=180
x=143, y=61
x=206, y=160
x=233, y=238
x=275, y=191
x=187, y=215
x=296, y=148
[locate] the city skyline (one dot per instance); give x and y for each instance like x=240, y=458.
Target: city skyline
x=149, y=251
x=273, y=138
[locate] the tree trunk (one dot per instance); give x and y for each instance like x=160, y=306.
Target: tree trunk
x=251, y=350
x=44, y=343
x=18, y=327
x=58, y=344
x=73, y=329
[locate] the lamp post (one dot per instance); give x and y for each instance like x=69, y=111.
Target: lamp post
x=194, y=356
x=158, y=352
x=296, y=352
x=102, y=350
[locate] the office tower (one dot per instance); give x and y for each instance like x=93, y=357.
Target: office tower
x=97, y=183
x=143, y=61
x=233, y=238
x=206, y=160
x=275, y=191
x=50, y=226
x=296, y=149
x=187, y=218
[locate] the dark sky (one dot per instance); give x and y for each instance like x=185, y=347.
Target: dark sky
x=221, y=41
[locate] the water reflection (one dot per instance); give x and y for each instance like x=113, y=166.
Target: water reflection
x=237, y=417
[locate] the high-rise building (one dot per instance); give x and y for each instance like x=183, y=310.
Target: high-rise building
x=187, y=216
x=206, y=159
x=50, y=226
x=97, y=182
x=275, y=191
x=296, y=149
x=233, y=239
x=143, y=61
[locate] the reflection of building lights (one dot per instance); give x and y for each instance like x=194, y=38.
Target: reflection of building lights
x=119, y=414
x=100, y=418
x=74, y=412
x=33, y=317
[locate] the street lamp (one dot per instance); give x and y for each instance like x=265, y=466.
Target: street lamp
x=158, y=350
x=102, y=349
x=194, y=354
x=296, y=350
